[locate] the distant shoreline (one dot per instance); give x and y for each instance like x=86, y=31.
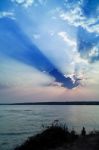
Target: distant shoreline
x=54, y=103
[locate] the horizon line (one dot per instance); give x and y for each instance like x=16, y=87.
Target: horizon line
x=54, y=103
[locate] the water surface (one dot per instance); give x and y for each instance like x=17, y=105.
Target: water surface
x=17, y=122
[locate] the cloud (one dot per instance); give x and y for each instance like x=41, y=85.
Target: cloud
x=62, y=80
x=28, y=3
x=14, y=73
x=25, y=3
x=76, y=17
x=42, y=2
x=76, y=61
x=7, y=14
x=36, y=36
x=26, y=52
x=18, y=1
x=94, y=54
x=67, y=39
x=88, y=46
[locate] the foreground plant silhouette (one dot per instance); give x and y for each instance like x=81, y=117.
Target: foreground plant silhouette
x=56, y=136
x=52, y=137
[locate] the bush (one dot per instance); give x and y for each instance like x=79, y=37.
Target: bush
x=52, y=137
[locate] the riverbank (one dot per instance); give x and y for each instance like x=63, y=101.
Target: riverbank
x=58, y=137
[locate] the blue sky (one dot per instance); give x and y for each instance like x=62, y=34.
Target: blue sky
x=49, y=50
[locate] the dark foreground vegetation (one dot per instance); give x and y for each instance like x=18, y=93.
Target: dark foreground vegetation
x=58, y=137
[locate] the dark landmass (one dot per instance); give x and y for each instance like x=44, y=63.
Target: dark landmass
x=58, y=137
x=55, y=103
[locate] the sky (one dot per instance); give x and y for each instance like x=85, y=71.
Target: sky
x=49, y=50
